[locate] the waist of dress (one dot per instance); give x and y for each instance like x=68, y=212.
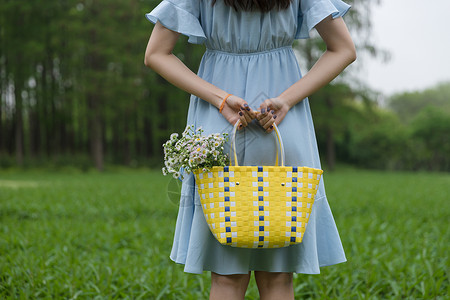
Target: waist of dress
x=278, y=49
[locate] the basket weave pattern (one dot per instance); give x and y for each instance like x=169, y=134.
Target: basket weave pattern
x=258, y=206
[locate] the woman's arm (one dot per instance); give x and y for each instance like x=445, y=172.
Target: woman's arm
x=159, y=57
x=339, y=54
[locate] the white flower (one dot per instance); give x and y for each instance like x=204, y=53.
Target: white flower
x=193, y=150
x=186, y=130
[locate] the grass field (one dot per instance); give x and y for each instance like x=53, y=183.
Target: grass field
x=108, y=236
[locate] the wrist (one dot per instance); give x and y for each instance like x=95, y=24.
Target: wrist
x=287, y=103
x=223, y=102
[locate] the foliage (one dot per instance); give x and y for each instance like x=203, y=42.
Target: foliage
x=73, y=82
x=73, y=89
x=378, y=142
x=426, y=115
x=374, y=137
x=409, y=104
x=430, y=133
x=108, y=236
x=338, y=109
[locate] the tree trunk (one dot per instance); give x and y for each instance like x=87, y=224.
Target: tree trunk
x=2, y=121
x=95, y=133
x=33, y=136
x=95, y=84
x=126, y=141
x=331, y=151
x=18, y=120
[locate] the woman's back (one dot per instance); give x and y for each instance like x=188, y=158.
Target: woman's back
x=220, y=27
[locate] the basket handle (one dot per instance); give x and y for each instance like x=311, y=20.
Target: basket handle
x=233, y=144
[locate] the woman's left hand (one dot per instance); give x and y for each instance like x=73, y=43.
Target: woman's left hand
x=271, y=111
x=236, y=108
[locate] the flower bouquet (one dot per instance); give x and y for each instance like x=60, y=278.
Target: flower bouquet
x=194, y=151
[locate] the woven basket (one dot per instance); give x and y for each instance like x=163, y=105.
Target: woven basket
x=258, y=206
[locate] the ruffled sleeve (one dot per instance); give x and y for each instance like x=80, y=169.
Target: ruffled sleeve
x=311, y=12
x=182, y=16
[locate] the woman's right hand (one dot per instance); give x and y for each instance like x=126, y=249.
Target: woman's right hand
x=236, y=108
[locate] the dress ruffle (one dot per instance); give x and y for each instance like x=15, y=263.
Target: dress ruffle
x=310, y=16
x=178, y=19
x=195, y=247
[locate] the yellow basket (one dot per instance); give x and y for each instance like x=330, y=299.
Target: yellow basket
x=258, y=206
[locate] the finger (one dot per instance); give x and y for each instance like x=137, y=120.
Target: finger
x=269, y=124
x=251, y=112
x=239, y=124
x=265, y=118
x=267, y=105
x=263, y=108
x=272, y=104
x=242, y=125
x=246, y=114
x=247, y=118
x=242, y=119
x=262, y=114
x=248, y=111
x=271, y=108
x=271, y=127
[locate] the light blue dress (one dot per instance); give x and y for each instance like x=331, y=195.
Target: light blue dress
x=249, y=54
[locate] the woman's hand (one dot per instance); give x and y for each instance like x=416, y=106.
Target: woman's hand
x=236, y=108
x=271, y=111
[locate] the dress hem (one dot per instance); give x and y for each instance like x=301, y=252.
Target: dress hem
x=190, y=271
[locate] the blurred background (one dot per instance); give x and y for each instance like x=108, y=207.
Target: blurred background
x=85, y=212
x=75, y=92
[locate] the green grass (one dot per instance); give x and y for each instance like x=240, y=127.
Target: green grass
x=108, y=236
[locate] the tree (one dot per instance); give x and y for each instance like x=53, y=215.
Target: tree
x=409, y=104
x=74, y=87
x=332, y=98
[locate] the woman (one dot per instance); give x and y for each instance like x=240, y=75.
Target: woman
x=249, y=63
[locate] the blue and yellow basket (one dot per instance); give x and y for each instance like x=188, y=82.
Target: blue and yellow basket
x=258, y=206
